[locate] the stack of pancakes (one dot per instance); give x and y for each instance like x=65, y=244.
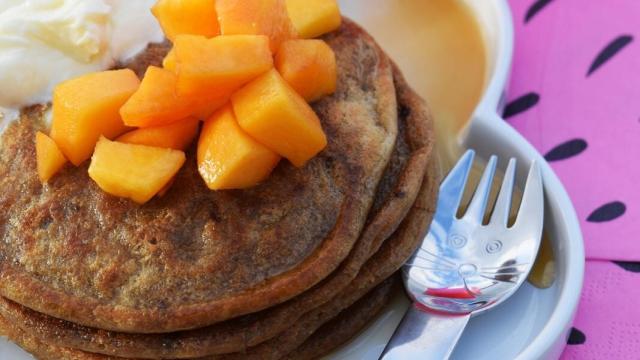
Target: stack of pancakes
x=289, y=269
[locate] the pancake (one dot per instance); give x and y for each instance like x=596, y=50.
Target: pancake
x=347, y=325
x=380, y=267
x=396, y=193
x=375, y=301
x=196, y=257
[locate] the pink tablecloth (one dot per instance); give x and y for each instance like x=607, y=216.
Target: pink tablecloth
x=575, y=94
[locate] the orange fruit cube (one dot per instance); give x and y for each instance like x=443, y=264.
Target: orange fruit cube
x=196, y=17
x=199, y=105
x=273, y=113
x=136, y=172
x=177, y=136
x=49, y=157
x=156, y=102
x=228, y=158
x=256, y=17
x=169, y=61
x=166, y=188
x=87, y=107
x=314, y=18
x=309, y=66
x=205, y=105
x=219, y=66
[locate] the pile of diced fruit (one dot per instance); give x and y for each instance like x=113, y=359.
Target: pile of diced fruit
x=246, y=68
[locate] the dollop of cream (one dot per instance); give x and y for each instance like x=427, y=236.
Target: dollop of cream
x=45, y=42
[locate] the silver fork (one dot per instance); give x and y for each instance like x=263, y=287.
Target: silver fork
x=463, y=267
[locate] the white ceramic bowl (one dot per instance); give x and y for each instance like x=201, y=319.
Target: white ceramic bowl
x=534, y=323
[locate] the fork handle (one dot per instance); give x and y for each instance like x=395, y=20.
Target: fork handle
x=425, y=335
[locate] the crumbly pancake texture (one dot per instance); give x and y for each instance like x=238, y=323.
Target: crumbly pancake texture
x=396, y=194
x=195, y=257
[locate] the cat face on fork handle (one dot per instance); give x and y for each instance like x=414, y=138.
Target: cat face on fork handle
x=463, y=265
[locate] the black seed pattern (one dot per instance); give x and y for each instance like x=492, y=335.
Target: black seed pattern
x=535, y=8
x=576, y=337
x=608, y=212
x=566, y=150
x=521, y=104
x=609, y=51
x=633, y=267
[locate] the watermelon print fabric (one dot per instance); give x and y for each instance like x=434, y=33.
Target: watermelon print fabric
x=575, y=95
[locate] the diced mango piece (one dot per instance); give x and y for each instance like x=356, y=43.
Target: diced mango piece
x=309, y=66
x=169, y=61
x=89, y=106
x=228, y=158
x=178, y=135
x=50, y=158
x=221, y=65
x=201, y=105
x=256, y=17
x=196, y=17
x=156, y=102
x=137, y=172
x=204, y=106
x=166, y=188
x=273, y=113
x=313, y=18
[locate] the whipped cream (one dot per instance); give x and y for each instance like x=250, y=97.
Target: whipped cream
x=44, y=42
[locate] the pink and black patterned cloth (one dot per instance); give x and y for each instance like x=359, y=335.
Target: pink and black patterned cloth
x=575, y=95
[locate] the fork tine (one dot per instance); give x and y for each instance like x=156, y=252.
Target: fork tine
x=531, y=213
x=503, y=202
x=478, y=203
x=452, y=188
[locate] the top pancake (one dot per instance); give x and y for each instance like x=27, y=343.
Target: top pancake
x=196, y=257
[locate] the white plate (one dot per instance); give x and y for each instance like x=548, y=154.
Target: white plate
x=534, y=323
